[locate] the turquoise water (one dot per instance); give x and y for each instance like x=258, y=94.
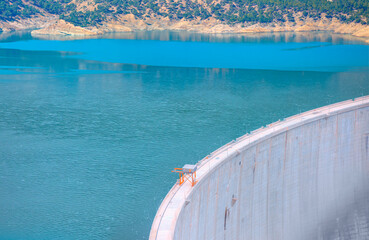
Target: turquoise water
x=272, y=55
x=90, y=129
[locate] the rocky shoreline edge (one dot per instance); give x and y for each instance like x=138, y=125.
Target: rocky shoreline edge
x=48, y=25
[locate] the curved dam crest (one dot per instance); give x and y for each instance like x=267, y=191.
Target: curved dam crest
x=301, y=178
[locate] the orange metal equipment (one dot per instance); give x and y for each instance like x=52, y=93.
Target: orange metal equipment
x=188, y=172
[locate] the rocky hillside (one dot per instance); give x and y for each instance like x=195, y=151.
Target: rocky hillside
x=98, y=16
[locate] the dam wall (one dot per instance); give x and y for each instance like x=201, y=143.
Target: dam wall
x=306, y=177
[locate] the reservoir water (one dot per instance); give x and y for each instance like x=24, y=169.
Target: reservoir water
x=90, y=129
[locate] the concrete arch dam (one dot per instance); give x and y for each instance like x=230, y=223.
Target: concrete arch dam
x=306, y=177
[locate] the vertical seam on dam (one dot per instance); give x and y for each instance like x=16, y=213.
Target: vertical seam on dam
x=283, y=176
x=268, y=179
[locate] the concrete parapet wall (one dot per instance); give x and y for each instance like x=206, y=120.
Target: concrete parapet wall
x=305, y=177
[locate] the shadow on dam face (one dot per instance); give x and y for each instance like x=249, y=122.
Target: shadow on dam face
x=305, y=177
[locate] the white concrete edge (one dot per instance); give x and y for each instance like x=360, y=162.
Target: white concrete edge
x=164, y=223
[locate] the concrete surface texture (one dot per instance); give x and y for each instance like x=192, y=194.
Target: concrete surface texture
x=305, y=177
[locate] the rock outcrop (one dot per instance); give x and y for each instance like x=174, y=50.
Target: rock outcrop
x=63, y=28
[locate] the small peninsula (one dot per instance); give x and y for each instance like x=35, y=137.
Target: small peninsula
x=93, y=17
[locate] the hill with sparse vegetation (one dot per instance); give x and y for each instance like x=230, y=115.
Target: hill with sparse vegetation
x=87, y=13
x=160, y=14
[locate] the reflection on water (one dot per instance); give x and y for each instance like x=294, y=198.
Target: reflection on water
x=251, y=53
x=15, y=36
x=283, y=37
x=241, y=37
x=87, y=146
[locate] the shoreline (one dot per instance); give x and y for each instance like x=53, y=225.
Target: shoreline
x=51, y=26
